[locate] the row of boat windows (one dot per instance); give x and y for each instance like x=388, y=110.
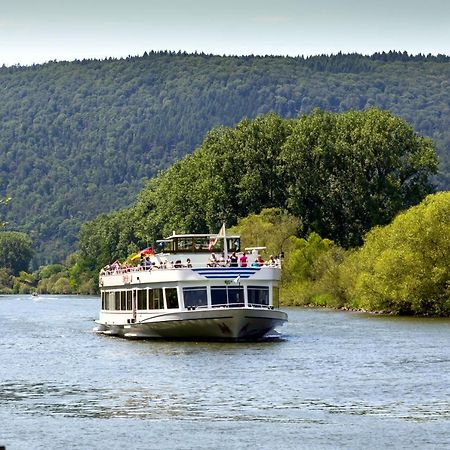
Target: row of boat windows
x=149, y=299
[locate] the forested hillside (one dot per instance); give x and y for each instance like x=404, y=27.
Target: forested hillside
x=78, y=139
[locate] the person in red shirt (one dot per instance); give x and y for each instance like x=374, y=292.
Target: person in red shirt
x=243, y=260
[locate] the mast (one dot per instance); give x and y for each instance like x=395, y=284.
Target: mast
x=223, y=231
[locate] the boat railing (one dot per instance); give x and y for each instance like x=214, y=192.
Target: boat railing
x=137, y=269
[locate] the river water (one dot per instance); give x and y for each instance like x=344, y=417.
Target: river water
x=334, y=380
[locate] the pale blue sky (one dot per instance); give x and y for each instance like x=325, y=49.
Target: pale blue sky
x=36, y=31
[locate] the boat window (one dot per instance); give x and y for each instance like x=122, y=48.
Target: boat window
x=234, y=244
x=276, y=296
x=195, y=297
x=183, y=245
x=258, y=295
x=224, y=296
x=117, y=300
x=110, y=301
x=123, y=300
x=142, y=299
x=171, y=298
x=155, y=299
x=202, y=244
x=103, y=300
x=236, y=296
x=219, y=296
x=129, y=300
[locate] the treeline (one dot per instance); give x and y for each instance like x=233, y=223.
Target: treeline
x=402, y=268
x=329, y=191
x=339, y=175
x=80, y=138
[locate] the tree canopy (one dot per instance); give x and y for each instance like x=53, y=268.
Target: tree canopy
x=337, y=174
x=404, y=266
x=15, y=251
x=78, y=139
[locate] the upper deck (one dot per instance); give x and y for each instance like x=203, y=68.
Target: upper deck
x=191, y=258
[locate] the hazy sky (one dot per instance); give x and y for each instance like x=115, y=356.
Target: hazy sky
x=36, y=31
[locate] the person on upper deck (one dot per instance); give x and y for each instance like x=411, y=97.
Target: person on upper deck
x=233, y=260
x=222, y=262
x=243, y=260
x=212, y=261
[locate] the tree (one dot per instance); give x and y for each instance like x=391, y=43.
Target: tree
x=404, y=266
x=15, y=251
x=346, y=173
x=4, y=201
x=273, y=228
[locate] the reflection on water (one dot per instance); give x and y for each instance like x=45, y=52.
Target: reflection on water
x=334, y=380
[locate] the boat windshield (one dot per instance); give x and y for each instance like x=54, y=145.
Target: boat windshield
x=197, y=244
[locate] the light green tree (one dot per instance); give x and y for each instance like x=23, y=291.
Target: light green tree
x=404, y=267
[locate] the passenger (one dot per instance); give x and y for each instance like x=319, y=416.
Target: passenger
x=188, y=263
x=233, y=260
x=255, y=263
x=212, y=261
x=260, y=261
x=222, y=262
x=243, y=260
x=271, y=262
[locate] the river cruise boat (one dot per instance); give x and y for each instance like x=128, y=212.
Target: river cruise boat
x=192, y=286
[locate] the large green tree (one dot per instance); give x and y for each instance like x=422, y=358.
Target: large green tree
x=15, y=251
x=338, y=174
x=345, y=173
x=404, y=267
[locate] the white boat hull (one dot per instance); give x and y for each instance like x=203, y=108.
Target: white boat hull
x=234, y=324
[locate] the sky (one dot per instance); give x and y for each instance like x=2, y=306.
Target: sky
x=37, y=31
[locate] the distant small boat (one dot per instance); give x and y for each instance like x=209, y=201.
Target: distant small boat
x=183, y=291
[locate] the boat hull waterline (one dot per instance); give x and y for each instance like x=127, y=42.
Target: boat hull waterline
x=234, y=324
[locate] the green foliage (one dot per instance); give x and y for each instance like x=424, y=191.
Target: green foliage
x=6, y=281
x=15, y=251
x=337, y=174
x=272, y=228
x=347, y=172
x=404, y=266
x=311, y=273
x=77, y=139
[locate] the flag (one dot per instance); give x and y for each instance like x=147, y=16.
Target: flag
x=213, y=242
x=146, y=251
x=136, y=256
x=237, y=280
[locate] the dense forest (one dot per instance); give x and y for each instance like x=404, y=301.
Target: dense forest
x=79, y=138
x=342, y=195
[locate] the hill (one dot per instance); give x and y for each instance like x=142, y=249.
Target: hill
x=78, y=139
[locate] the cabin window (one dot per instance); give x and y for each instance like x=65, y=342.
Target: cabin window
x=184, y=245
x=142, y=299
x=235, y=296
x=171, y=298
x=103, y=300
x=123, y=300
x=129, y=300
x=218, y=296
x=234, y=245
x=195, y=297
x=117, y=300
x=258, y=295
x=155, y=299
x=276, y=296
x=110, y=301
x=223, y=296
x=202, y=244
